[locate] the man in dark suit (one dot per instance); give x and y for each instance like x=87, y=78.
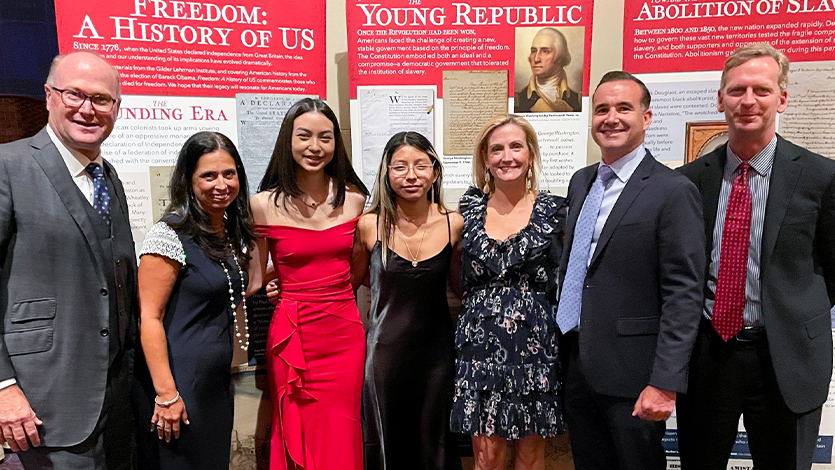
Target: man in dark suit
x=765, y=348
x=67, y=286
x=631, y=293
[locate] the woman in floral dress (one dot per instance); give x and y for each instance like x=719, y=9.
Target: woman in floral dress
x=507, y=374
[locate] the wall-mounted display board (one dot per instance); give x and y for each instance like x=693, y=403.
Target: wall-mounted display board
x=185, y=67
x=445, y=68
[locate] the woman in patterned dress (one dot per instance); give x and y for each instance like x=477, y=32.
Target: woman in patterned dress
x=507, y=374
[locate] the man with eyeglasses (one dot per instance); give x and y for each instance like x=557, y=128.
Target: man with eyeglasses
x=68, y=281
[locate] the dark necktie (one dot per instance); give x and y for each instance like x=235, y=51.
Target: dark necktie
x=729, y=302
x=101, y=198
x=568, y=310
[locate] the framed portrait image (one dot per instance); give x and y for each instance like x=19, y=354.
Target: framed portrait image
x=703, y=137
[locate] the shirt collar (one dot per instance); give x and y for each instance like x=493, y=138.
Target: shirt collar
x=761, y=162
x=626, y=165
x=76, y=162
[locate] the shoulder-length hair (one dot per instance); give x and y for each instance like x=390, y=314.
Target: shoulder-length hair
x=384, y=201
x=482, y=179
x=280, y=175
x=192, y=219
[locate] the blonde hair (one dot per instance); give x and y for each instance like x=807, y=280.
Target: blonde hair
x=753, y=51
x=383, y=199
x=482, y=179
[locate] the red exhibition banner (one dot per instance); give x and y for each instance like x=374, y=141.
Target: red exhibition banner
x=396, y=42
x=695, y=35
x=209, y=48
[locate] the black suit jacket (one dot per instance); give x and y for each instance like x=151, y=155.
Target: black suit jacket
x=797, y=264
x=68, y=305
x=642, y=297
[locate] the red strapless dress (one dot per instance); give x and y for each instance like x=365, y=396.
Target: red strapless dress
x=315, y=350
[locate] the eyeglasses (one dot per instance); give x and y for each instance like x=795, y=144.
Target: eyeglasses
x=76, y=99
x=421, y=169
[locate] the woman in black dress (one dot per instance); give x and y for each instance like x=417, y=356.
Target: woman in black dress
x=507, y=375
x=191, y=278
x=410, y=241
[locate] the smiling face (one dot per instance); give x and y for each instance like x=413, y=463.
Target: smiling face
x=618, y=123
x=411, y=173
x=751, y=99
x=215, y=182
x=546, y=56
x=313, y=141
x=508, y=158
x=82, y=128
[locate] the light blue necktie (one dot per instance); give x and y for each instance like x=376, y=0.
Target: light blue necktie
x=568, y=312
x=101, y=198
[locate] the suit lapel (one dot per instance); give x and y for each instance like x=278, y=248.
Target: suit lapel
x=637, y=182
x=785, y=173
x=576, y=204
x=118, y=191
x=710, y=185
x=50, y=161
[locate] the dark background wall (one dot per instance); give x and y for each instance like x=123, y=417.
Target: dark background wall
x=28, y=42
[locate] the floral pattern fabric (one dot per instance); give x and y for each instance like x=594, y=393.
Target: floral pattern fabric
x=507, y=373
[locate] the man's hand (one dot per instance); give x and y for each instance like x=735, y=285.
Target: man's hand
x=655, y=404
x=17, y=420
x=273, y=292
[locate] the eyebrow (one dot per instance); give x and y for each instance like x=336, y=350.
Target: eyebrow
x=304, y=129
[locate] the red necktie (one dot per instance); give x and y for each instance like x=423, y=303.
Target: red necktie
x=733, y=259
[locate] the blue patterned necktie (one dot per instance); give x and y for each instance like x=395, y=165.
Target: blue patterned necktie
x=101, y=198
x=568, y=311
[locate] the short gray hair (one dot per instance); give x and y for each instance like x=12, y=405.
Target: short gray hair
x=50, y=78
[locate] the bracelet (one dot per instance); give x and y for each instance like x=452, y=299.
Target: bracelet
x=166, y=403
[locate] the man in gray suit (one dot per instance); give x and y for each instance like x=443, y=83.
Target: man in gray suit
x=68, y=281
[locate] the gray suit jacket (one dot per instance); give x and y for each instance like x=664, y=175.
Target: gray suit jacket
x=797, y=264
x=67, y=294
x=642, y=296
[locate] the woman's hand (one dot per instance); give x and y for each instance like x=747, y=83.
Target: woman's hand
x=167, y=418
x=273, y=292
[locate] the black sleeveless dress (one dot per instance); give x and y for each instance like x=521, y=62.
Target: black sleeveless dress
x=409, y=365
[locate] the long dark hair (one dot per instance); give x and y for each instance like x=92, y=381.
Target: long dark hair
x=280, y=176
x=192, y=219
x=384, y=201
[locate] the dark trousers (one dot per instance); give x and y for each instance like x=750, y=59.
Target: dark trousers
x=602, y=430
x=111, y=446
x=729, y=379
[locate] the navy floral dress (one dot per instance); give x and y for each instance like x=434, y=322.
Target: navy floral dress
x=507, y=377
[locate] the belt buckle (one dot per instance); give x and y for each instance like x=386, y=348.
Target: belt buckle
x=749, y=334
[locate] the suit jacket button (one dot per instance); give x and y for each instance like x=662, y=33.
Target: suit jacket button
x=103, y=291
x=104, y=332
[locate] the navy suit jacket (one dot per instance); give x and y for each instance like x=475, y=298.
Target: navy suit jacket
x=797, y=264
x=642, y=296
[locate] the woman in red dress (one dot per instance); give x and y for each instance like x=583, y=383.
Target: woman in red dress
x=305, y=214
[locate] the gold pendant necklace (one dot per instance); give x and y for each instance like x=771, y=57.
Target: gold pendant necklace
x=415, y=257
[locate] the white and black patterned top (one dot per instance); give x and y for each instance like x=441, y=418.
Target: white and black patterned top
x=163, y=240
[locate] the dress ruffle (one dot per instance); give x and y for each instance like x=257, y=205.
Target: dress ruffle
x=524, y=379
x=502, y=255
x=510, y=416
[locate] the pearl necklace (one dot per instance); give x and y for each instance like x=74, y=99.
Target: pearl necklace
x=243, y=343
